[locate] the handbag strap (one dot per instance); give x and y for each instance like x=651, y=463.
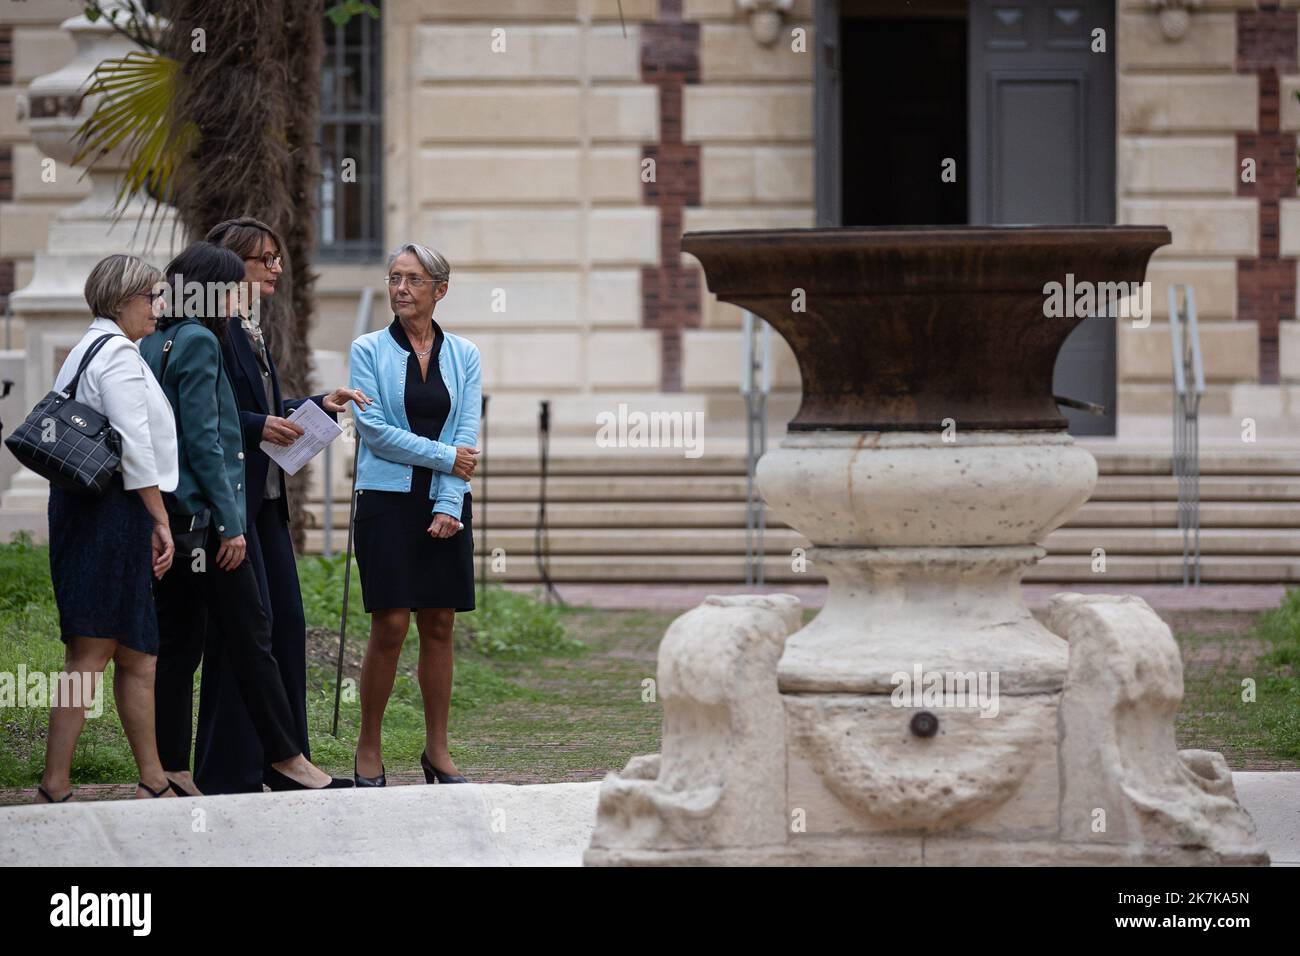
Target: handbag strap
x=71, y=389
x=167, y=354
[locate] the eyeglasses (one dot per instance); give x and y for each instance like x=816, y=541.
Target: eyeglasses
x=269, y=259
x=414, y=282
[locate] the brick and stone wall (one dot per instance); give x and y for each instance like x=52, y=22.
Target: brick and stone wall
x=1181, y=107
x=31, y=44
x=516, y=133
x=524, y=164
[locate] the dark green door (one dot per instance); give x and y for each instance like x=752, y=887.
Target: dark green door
x=1042, y=150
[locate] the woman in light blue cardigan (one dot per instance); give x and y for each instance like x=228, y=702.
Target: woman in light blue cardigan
x=413, y=525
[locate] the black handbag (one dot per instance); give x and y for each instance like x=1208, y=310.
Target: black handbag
x=189, y=532
x=68, y=443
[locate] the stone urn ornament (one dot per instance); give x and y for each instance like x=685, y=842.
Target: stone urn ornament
x=924, y=716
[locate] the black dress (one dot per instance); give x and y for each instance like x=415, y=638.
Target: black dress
x=400, y=563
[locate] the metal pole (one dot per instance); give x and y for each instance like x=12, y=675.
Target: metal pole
x=327, y=543
x=482, y=508
x=347, y=581
x=760, y=424
x=747, y=387
x=755, y=383
x=1189, y=386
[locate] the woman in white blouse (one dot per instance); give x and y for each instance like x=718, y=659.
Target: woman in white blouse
x=104, y=549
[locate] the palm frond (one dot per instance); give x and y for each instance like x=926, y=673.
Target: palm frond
x=136, y=114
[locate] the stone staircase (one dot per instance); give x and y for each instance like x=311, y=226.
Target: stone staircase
x=643, y=517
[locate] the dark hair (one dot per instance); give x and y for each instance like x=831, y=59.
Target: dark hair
x=243, y=236
x=212, y=267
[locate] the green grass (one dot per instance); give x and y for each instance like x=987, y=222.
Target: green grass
x=1275, y=716
x=1219, y=654
x=545, y=693
x=29, y=632
x=508, y=627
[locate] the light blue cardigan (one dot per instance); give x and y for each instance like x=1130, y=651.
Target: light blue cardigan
x=389, y=448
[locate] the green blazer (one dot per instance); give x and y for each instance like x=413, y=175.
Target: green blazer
x=209, y=441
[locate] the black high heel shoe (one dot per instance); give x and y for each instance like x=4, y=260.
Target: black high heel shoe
x=278, y=782
x=433, y=775
x=181, y=791
x=360, y=781
x=155, y=793
x=49, y=799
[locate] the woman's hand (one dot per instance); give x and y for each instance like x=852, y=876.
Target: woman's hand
x=466, y=462
x=231, y=553
x=163, y=549
x=280, y=431
x=337, y=400
x=444, y=526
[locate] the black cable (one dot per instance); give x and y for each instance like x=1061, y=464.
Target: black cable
x=482, y=508
x=541, y=541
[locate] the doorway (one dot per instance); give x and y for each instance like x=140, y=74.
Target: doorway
x=906, y=116
x=1015, y=92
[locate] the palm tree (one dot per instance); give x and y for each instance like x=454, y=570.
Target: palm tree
x=219, y=117
x=253, y=94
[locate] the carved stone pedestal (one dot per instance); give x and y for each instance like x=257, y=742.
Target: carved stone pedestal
x=924, y=716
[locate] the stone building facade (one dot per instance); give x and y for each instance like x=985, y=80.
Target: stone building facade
x=516, y=135
x=555, y=150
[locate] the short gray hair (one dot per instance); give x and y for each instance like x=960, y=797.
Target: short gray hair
x=431, y=260
x=114, y=280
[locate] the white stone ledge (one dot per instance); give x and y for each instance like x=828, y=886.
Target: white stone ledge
x=472, y=825
x=482, y=825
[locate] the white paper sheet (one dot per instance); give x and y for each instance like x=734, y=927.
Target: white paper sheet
x=318, y=430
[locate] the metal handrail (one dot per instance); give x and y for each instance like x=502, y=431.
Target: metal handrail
x=359, y=328
x=755, y=384
x=1189, y=387
x=362, y=325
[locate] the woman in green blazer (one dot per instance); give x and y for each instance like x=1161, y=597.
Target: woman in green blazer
x=213, y=581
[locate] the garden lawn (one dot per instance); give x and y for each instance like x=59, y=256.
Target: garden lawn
x=545, y=694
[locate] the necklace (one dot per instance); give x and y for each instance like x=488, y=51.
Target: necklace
x=432, y=338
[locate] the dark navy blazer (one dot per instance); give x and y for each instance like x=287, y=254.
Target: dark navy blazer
x=246, y=377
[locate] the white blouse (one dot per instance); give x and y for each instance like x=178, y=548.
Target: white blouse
x=119, y=384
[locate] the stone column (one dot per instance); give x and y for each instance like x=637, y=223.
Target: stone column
x=52, y=305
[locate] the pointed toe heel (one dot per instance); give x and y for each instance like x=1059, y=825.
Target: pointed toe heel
x=279, y=782
x=360, y=781
x=433, y=775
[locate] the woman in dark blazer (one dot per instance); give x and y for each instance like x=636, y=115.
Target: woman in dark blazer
x=212, y=589
x=227, y=740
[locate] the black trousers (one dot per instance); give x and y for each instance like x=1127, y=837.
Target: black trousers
x=217, y=606
x=229, y=751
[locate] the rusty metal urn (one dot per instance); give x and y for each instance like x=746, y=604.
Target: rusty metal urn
x=924, y=715
x=898, y=329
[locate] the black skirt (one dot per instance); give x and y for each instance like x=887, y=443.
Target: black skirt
x=400, y=563
x=101, y=565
